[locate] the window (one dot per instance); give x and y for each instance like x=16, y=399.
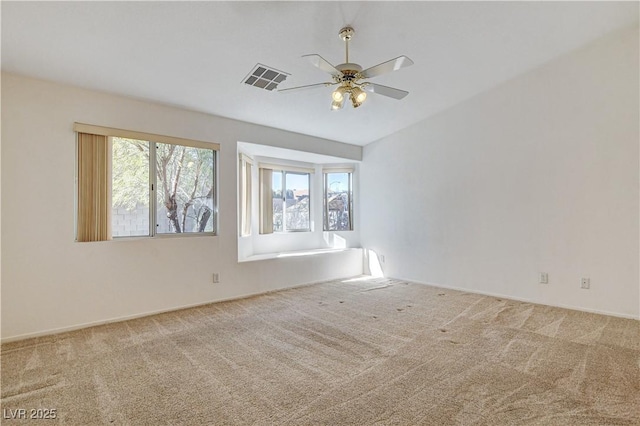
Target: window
x=155, y=185
x=338, y=204
x=184, y=177
x=291, y=202
x=284, y=199
x=130, y=187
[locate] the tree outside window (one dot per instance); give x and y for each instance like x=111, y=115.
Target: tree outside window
x=179, y=184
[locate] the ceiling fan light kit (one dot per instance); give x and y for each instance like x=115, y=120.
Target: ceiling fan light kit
x=338, y=94
x=337, y=104
x=358, y=95
x=349, y=76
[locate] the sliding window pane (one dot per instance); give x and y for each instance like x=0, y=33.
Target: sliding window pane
x=129, y=187
x=337, y=202
x=277, y=201
x=185, y=189
x=297, y=202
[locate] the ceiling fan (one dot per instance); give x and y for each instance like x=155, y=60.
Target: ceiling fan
x=349, y=76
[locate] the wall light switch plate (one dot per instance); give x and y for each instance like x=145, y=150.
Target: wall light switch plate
x=585, y=283
x=544, y=278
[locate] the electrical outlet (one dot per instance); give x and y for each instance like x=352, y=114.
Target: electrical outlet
x=585, y=283
x=216, y=278
x=544, y=278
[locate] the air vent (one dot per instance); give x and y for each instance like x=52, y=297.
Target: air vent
x=264, y=77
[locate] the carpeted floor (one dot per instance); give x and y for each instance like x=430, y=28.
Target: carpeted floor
x=367, y=352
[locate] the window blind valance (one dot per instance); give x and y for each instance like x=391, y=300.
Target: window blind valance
x=285, y=168
x=131, y=134
x=337, y=170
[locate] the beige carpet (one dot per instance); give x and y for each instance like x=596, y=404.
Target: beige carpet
x=362, y=352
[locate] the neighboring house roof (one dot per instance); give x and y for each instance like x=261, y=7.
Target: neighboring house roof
x=336, y=202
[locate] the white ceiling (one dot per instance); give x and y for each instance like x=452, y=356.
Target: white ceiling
x=196, y=54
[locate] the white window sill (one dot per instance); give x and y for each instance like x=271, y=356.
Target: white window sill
x=297, y=253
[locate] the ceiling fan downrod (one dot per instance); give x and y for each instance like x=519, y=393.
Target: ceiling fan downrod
x=346, y=34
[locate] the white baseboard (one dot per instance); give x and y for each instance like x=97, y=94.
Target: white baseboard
x=60, y=330
x=521, y=299
x=161, y=311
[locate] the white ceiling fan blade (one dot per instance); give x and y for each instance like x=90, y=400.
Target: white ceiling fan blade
x=319, y=62
x=385, y=90
x=308, y=86
x=385, y=67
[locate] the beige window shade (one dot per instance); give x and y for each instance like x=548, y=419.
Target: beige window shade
x=266, y=201
x=94, y=188
x=245, y=196
x=130, y=134
x=294, y=169
x=337, y=170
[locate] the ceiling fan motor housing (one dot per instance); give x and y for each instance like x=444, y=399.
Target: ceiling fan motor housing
x=349, y=70
x=346, y=33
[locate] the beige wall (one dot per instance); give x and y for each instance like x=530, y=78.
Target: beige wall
x=50, y=283
x=538, y=175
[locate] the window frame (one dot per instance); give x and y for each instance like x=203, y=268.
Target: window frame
x=325, y=210
x=284, y=169
x=284, y=200
x=153, y=212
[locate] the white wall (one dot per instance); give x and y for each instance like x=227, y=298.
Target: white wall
x=538, y=174
x=49, y=282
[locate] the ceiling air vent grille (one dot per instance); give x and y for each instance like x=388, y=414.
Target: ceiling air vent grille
x=264, y=77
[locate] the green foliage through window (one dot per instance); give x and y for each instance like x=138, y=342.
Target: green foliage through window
x=179, y=184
